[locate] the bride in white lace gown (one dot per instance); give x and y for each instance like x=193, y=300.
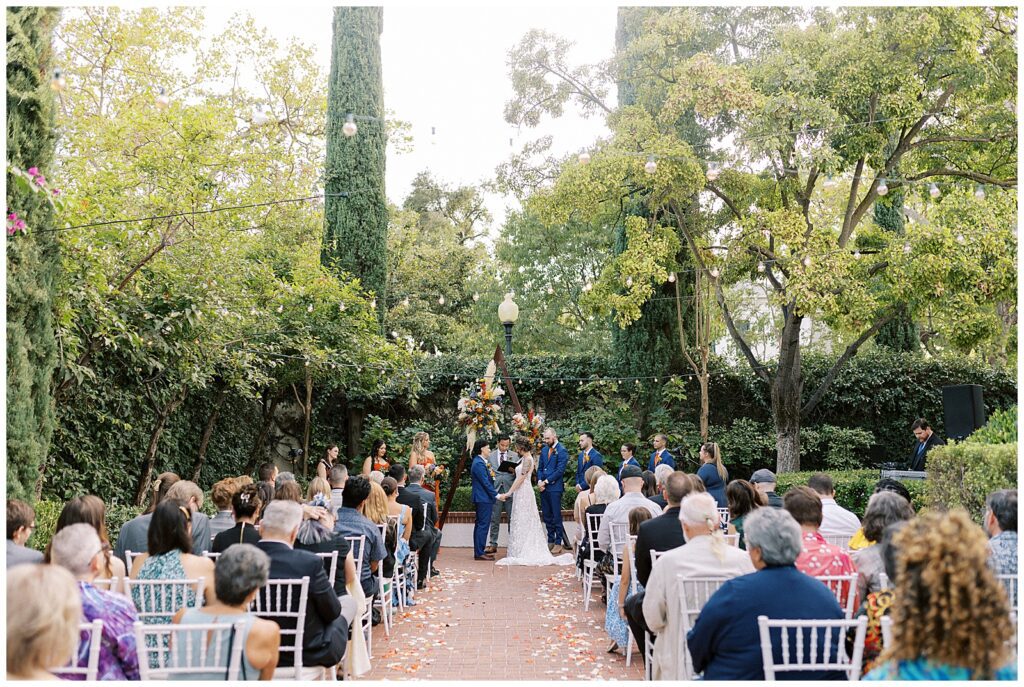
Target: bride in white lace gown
x=527, y=540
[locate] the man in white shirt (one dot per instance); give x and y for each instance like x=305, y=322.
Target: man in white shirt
x=618, y=510
x=835, y=520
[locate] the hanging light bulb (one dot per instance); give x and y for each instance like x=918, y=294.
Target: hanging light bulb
x=349, y=128
x=979, y=191
x=629, y=281
x=584, y=158
x=394, y=334
x=307, y=362
x=934, y=191
x=260, y=118
x=162, y=101
x=806, y=262
x=671, y=277
x=476, y=296
x=58, y=82
x=310, y=308
x=561, y=382
x=760, y=267
x=588, y=286
x=440, y=300
x=960, y=239
x=856, y=255
x=280, y=308
x=341, y=307
x=405, y=301
x=651, y=167
x=883, y=187
x=830, y=182
x=714, y=273
x=906, y=248
x=551, y=291
x=714, y=169
x=373, y=304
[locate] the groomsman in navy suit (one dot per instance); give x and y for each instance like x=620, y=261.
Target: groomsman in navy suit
x=587, y=458
x=628, y=453
x=550, y=476
x=484, y=497
x=661, y=456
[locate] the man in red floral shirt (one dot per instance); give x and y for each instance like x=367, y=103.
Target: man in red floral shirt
x=818, y=558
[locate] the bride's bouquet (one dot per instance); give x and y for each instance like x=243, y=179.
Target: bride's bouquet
x=480, y=408
x=529, y=425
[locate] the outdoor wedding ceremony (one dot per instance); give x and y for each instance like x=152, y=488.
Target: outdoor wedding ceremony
x=512, y=343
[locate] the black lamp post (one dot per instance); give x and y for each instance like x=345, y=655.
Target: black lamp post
x=508, y=313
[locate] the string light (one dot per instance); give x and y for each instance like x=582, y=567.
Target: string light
x=651, y=167
x=714, y=272
x=714, y=169
x=310, y=308
x=162, y=101
x=280, y=308
x=476, y=297
x=58, y=82
x=806, y=262
x=979, y=191
x=856, y=255
x=405, y=301
x=349, y=128
x=934, y=191
x=906, y=248
x=341, y=307
x=373, y=304
x=760, y=267
x=672, y=277
x=584, y=158
x=551, y=290
x=960, y=239
x=883, y=188
x=440, y=300
x=588, y=286
x=629, y=281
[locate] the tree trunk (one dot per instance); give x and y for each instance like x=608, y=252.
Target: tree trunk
x=354, y=435
x=703, y=379
x=142, y=487
x=787, y=392
x=307, y=410
x=261, y=438
x=204, y=441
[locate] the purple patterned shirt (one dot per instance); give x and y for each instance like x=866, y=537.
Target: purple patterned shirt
x=118, y=658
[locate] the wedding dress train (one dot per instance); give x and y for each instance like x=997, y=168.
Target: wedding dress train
x=527, y=538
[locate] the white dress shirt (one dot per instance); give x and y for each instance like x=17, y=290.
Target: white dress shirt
x=836, y=520
x=618, y=511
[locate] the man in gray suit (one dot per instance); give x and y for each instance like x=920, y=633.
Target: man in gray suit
x=21, y=522
x=502, y=482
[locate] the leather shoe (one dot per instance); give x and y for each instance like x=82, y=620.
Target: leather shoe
x=434, y=572
x=557, y=550
x=485, y=557
x=491, y=549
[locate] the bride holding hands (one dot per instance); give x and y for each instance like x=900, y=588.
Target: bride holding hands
x=527, y=541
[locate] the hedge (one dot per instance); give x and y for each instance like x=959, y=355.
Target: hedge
x=964, y=474
x=853, y=488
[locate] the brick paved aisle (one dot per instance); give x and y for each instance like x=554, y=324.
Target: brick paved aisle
x=462, y=628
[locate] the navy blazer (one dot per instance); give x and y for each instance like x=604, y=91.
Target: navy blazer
x=483, y=484
x=552, y=470
x=666, y=459
x=582, y=467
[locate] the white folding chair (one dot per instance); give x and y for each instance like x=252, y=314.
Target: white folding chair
x=618, y=535
x=1010, y=584
x=206, y=651
x=590, y=563
x=723, y=517
x=430, y=562
x=114, y=584
x=385, y=596
x=212, y=555
x=332, y=569
x=840, y=540
x=845, y=589
x=285, y=600
x=808, y=645
x=398, y=575
x=886, y=626
x=358, y=547
x=694, y=592
x=130, y=557
x=91, y=637
x=883, y=581
x=158, y=600
x=732, y=539
x=648, y=637
x=634, y=587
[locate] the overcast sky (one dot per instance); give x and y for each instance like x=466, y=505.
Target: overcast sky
x=444, y=67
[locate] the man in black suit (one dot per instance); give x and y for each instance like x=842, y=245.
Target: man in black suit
x=926, y=439
x=420, y=536
x=328, y=618
x=427, y=552
x=661, y=534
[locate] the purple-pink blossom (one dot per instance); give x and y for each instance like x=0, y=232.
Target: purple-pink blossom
x=41, y=180
x=33, y=171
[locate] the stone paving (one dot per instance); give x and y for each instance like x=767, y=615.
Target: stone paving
x=478, y=621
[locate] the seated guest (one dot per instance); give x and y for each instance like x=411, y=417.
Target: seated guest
x=221, y=494
x=78, y=549
x=91, y=510
x=835, y=520
x=283, y=477
x=650, y=484
x=705, y=554
x=321, y=487
x=403, y=533
x=618, y=510
x=713, y=473
x=858, y=540
x=817, y=557
x=169, y=557
x=877, y=604
x=268, y=475
x=764, y=481
x=951, y=619
x=697, y=484
x=743, y=498
x=725, y=641
x=240, y=573
x=351, y=523
x=884, y=508
x=605, y=491
x=192, y=496
x=585, y=499
x=317, y=535
x=376, y=476
x=432, y=541
x=21, y=522
x=245, y=508
x=615, y=614
x=43, y=613
x=328, y=618
x=1000, y=523
x=133, y=535
x=337, y=478
x=661, y=473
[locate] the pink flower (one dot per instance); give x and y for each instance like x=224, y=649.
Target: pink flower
x=12, y=216
x=33, y=171
x=56, y=191
x=41, y=180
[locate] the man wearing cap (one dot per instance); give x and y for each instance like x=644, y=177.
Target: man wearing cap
x=764, y=481
x=618, y=510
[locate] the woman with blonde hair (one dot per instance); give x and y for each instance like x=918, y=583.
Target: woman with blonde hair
x=950, y=616
x=420, y=454
x=43, y=612
x=713, y=473
x=585, y=499
x=321, y=487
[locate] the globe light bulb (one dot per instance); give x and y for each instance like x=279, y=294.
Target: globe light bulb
x=714, y=169
x=310, y=308
x=906, y=248
x=672, y=278
x=830, y=182
x=440, y=300
x=806, y=262
x=584, y=158
x=856, y=255
x=960, y=239
x=58, y=82
x=162, y=101
x=651, y=167
x=714, y=273
x=341, y=307
x=551, y=291
x=405, y=301
x=934, y=191
x=629, y=281
x=979, y=191
x=349, y=128
x=476, y=296
x=373, y=304
x=760, y=267
x=883, y=187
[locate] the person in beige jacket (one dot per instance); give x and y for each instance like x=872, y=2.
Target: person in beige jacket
x=705, y=554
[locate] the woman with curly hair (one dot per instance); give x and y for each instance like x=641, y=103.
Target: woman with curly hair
x=951, y=618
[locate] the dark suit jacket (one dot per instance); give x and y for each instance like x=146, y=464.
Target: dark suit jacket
x=661, y=534
x=426, y=497
x=418, y=537
x=320, y=641
x=658, y=499
x=917, y=459
x=551, y=469
x=482, y=483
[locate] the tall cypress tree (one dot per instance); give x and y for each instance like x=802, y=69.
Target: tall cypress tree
x=355, y=224
x=901, y=333
x=33, y=259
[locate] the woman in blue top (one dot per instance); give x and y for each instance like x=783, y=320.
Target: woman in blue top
x=241, y=570
x=713, y=474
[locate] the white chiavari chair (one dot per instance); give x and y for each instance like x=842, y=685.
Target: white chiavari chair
x=91, y=637
x=845, y=589
x=811, y=645
x=191, y=652
x=590, y=563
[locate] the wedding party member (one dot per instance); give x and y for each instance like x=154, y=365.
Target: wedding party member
x=725, y=641
x=835, y=520
x=484, y=496
x=428, y=552
x=550, y=482
x=420, y=454
x=43, y=612
x=378, y=458
x=743, y=498
x=661, y=473
x=240, y=573
x=502, y=482
x=951, y=619
x=402, y=514
x=324, y=465
x=1000, y=522
x=133, y=534
x=661, y=456
x=884, y=508
x=926, y=441
x=764, y=481
x=337, y=478
x=628, y=453
x=713, y=473
x=91, y=510
x=78, y=549
x=192, y=496
x=351, y=523
x=21, y=523
x=588, y=456
x=585, y=499
x=615, y=614
x=245, y=507
x=705, y=554
x=618, y=511
x=221, y=493
x=328, y=618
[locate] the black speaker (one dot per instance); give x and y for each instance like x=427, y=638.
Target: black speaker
x=964, y=409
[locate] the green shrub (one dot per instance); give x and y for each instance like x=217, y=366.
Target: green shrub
x=47, y=513
x=853, y=488
x=1001, y=428
x=963, y=474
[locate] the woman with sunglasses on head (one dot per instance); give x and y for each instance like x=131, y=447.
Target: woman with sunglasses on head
x=91, y=510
